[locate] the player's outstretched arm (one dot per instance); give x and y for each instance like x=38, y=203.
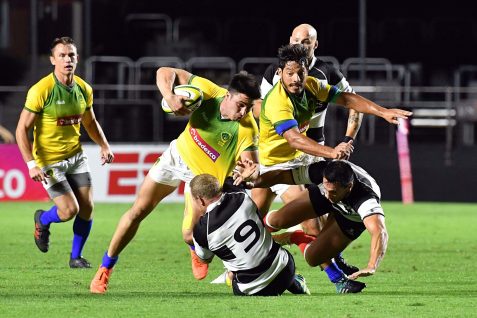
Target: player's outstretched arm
x=364, y=105
x=379, y=242
x=303, y=143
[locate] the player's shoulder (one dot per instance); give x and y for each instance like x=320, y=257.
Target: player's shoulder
x=45, y=84
x=83, y=84
x=207, y=86
x=313, y=83
x=331, y=72
x=248, y=121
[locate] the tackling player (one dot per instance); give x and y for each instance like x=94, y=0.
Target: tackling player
x=230, y=227
x=351, y=196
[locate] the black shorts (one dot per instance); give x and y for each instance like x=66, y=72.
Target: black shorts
x=276, y=286
x=321, y=205
x=349, y=228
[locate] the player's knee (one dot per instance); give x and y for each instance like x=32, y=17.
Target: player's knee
x=86, y=209
x=311, y=258
x=138, y=213
x=187, y=236
x=68, y=212
x=275, y=221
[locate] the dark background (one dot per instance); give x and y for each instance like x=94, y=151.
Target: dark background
x=432, y=38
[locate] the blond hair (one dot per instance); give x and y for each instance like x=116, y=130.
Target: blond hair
x=205, y=186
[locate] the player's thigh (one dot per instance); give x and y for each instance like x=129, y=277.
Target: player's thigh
x=311, y=226
x=328, y=244
x=263, y=198
x=292, y=192
x=293, y=213
x=149, y=196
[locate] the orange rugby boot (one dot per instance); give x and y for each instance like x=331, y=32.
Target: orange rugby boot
x=199, y=269
x=99, y=284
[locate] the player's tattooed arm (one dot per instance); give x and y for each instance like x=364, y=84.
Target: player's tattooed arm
x=354, y=123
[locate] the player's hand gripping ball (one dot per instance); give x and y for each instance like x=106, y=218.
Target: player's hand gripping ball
x=194, y=97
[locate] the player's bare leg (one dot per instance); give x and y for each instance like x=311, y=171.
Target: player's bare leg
x=330, y=242
x=199, y=269
x=150, y=194
x=263, y=198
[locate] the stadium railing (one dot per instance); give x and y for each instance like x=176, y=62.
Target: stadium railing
x=124, y=70
x=466, y=76
x=446, y=108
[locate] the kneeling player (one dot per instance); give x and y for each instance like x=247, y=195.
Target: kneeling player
x=230, y=227
x=351, y=196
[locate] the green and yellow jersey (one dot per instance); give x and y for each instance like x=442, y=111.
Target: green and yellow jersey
x=59, y=109
x=282, y=111
x=210, y=144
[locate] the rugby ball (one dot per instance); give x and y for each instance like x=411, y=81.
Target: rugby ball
x=194, y=97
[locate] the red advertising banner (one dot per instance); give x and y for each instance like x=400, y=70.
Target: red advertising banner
x=116, y=182
x=15, y=183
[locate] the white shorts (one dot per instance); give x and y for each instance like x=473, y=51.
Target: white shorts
x=170, y=169
x=303, y=160
x=62, y=171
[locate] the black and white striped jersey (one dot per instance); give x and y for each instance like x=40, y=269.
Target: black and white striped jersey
x=232, y=230
x=324, y=71
x=363, y=200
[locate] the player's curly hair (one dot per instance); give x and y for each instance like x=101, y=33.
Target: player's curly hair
x=339, y=171
x=292, y=52
x=245, y=83
x=63, y=40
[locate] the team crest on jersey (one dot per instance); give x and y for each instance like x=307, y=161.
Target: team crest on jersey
x=225, y=137
x=68, y=120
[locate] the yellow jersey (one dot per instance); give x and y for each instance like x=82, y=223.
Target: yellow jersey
x=60, y=109
x=211, y=144
x=282, y=111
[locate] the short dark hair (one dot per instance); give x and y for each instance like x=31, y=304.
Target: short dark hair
x=205, y=186
x=292, y=52
x=245, y=83
x=339, y=171
x=63, y=40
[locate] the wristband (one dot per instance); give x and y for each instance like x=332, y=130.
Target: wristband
x=31, y=164
x=348, y=139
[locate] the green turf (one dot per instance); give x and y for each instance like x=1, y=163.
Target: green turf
x=429, y=270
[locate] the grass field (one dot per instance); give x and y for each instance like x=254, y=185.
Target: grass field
x=429, y=270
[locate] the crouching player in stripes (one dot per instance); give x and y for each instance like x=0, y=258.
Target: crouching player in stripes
x=230, y=227
x=350, y=195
